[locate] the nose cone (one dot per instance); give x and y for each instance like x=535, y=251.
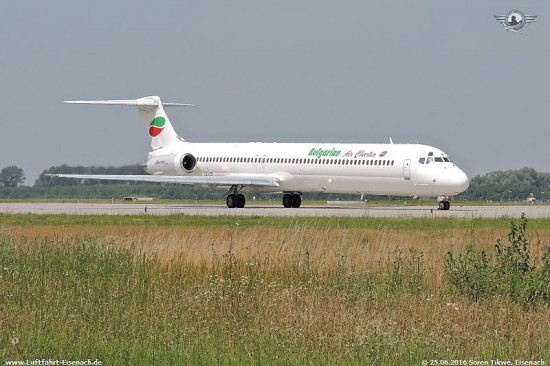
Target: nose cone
x=461, y=182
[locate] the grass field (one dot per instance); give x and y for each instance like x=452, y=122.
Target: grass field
x=255, y=290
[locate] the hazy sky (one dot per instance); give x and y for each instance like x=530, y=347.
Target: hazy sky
x=443, y=73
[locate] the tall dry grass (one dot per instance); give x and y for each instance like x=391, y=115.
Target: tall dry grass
x=273, y=295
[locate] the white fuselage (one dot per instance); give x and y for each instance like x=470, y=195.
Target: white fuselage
x=377, y=169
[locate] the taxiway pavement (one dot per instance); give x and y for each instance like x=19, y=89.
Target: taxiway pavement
x=531, y=211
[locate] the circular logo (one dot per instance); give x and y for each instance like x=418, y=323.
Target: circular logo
x=515, y=20
x=156, y=126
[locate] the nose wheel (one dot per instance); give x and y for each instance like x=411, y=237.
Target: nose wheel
x=444, y=205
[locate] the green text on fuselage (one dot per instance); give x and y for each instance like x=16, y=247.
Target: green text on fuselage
x=319, y=153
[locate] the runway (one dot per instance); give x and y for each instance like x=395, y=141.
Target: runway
x=536, y=211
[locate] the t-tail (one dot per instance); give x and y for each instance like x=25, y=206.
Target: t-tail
x=151, y=110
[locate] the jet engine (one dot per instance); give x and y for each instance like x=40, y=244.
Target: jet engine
x=172, y=164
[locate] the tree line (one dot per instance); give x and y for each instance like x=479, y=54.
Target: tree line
x=508, y=185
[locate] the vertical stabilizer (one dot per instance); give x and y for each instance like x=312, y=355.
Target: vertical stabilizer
x=158, y=125
x=151, y=111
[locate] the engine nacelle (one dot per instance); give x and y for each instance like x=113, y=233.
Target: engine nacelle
x=172, y=164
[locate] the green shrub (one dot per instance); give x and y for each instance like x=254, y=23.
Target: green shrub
x=511, y=272
x=470, y=273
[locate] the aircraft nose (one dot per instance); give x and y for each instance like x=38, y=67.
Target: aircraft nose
x=461, y=180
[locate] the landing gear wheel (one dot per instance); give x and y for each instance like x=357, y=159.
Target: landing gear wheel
x=296, y=200
x=240, y=200
x=444, y=205
x=293, y=200
x=231, y=200
x=287, y=200
x=447, y=205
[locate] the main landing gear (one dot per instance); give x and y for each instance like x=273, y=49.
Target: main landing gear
x=444, y=205
x=293, y=200
x=234, y=198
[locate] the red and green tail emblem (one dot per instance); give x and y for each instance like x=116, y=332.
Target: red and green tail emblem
x=383, y=153
x=156, y=126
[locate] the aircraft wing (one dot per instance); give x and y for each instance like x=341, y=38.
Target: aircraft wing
x=213, y=180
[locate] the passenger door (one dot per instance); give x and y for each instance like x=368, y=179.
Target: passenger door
x=407, y=169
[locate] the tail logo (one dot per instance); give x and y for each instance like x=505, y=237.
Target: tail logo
x=156, y=126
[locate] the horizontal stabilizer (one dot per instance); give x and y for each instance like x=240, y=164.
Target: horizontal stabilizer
x=129, y=102
x=151, y=111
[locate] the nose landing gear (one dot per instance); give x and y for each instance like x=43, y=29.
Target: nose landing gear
x=444, y=205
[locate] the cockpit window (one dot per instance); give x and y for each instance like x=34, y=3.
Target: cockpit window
x=431, y=158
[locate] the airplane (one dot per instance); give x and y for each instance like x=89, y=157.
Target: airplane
x=287, y=168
